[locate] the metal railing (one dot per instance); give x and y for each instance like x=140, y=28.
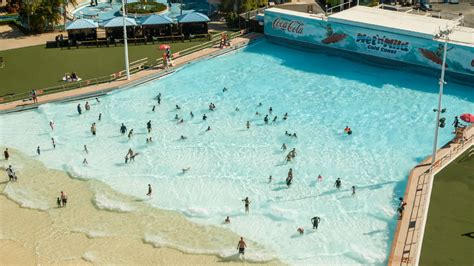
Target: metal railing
x=338, y=8
x=419, y=206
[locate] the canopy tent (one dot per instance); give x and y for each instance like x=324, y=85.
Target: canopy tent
x=156, y=19
x=157, y=25
x=118, y=22
x=114, y=28
x=193, y=23
x=82, y=23
x=82, y=29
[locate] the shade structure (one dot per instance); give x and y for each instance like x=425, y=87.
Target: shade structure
x=82, y=23
x=118, y=22
x=156, y=19
x=192, y=17
x=467, y=118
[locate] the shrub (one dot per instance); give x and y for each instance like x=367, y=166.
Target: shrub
x=147, y=8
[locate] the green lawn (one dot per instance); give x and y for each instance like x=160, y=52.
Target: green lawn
x=451, y=216
x=38, y=67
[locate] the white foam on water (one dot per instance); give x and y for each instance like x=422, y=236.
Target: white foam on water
x=105, y=203
x=91, y=233
x=25, y=197
x=226, y=254
x=89, y=256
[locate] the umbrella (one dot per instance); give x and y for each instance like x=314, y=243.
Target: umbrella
x=467, y=118
x=164, y=47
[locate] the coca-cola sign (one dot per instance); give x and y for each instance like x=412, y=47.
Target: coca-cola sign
x=292, y=26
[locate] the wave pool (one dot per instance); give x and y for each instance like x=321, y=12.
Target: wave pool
x=390, y=112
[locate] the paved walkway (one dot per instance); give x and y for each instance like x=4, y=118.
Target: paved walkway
x=404, y=247
x=105, y=87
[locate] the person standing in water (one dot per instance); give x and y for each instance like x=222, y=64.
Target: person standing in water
x=148, y=126
x=38, y=150
x=130, y=133
x=100, y=116
x=93, y=129
x=123, y=129
x=79, y=109
x=51, y=125
x=149, y=191
x=353, y=191
x=241, y=246
x=85, y=149
x=63, y=198
x=54, y=143
x=246, y=204
x=315, y=221
x=456, y=122
x=6, y=154
x=338, y=183
x=248, y=124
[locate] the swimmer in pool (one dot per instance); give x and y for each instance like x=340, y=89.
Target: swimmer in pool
x=241, y=247
x=348, y=130
x=176, y=117
x=315, y=221
x=204, y=117
x=338, y=183
x=246, y=204
x=191, y=114
x=259, y=104
x=265, y=119
x=178, y=108
x=237, y=109
x=285, y=116
x=300, y=230
x=148, y=126
x=208, y=128
x=270, y=110
x=185, y=169
x=130, y=133
x=123, y=129
x=149, y=191
x=227, y=220
x=283, y=147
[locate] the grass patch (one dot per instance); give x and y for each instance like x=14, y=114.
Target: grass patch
x=36, y=67
x=451, y=216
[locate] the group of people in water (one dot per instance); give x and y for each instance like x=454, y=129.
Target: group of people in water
x=130, y=155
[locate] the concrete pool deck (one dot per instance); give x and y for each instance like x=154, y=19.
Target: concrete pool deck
x=407, y=235
x=139, y=77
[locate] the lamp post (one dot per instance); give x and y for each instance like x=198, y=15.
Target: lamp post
x=124, y=15
x=439, y=122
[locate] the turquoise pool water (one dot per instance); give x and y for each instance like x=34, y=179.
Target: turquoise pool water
x=390, y=112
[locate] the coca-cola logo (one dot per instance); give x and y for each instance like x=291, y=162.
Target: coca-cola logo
x=293, y=26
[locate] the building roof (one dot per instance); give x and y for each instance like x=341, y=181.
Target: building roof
x=118, y=22
x=157, y=20
x=405, y=23
x=192, y=17
x=82, y=23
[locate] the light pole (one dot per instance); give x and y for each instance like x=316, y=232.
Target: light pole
x=125, y=44
x=439, y=122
